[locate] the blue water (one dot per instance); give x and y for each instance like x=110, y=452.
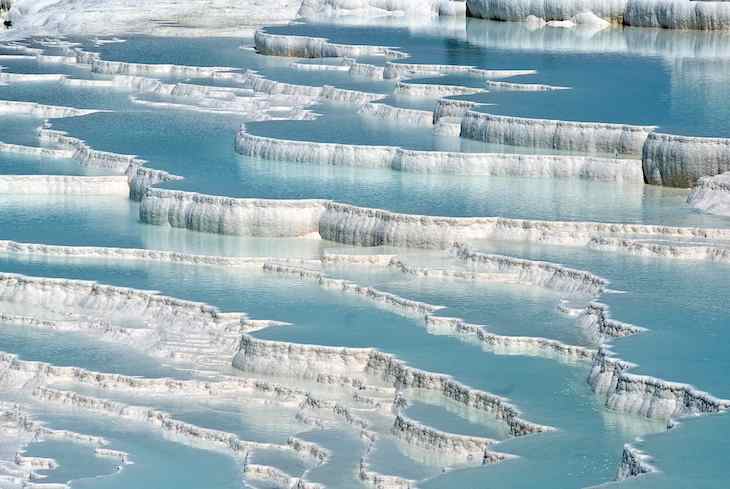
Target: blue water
x=74, y=349
x=17, y=164
x=251, y=419
x=224, y=52
x=20, y=130
x=114, y=221
x=616, y=75
x=547, y=391
x=677, y=301
x=506, y=309
x=685, y=457
x=75, y=461
x=176, y=141
x=157, y=462
x=388, y=458
x=630, y=76
x=58, y=93
x=346, y=447
x=443, y=420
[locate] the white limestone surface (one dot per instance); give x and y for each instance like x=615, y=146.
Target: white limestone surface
x=591, y=137
x=438, y=162
x=64, y=185
x=712, y=195
x=226, y=215
x=680, y=161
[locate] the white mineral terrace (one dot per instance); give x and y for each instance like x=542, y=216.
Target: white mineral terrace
x=623, y=391
x=542, y=274
x=712, y=195
x=379, y=8
x=666, y=159
x=65, y=185
x=316, y=47
x=360, y=226
x=668, y=14
x=565, y=135
x=40, y=110
x=634, y=463
x=67, y=293
x=362, y=391
x=492, y=164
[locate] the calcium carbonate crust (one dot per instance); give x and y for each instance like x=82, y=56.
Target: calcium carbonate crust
x=347, y=224
x=21, y=472
x=439, y=325
x=318, y=9
x=634, y=463
x=17, y=373
x=436, y=162
x=667, y=14
x=712, y=195
x=316, y=47
x=625, y=392
x=47, y=290
x=435, y=324
x=690, y=250
x=324, y=363
x=681, y=161
x=590, y=137
x=64, y=185
x=178, y=430
x=647, y=396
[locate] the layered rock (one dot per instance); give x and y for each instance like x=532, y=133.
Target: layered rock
x=226, y=215
x=64, y=185
x=688, y=250
x=521, y=10
x=712, y=195
x=316, y=47
x=634, y=463
x=647, y=396
x=540, y=273
x=441, y=162
x=333, y=364
x=41, y=111
x=667, y=14
x=596, y=321
x=465, y=449
x=681, y=161
x=590, y=137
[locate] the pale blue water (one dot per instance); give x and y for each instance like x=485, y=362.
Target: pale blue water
x=176, y=141
x=18, y=164
x=157, y=462
x=629, y=75
x=32, y=66
x=677, y=301
x=75, y=349
x=58, y=93
x=346, y=447
x=691, y=455
x=249, y=419
x=502, y=308
x=388, y=458
x=443, y=420
x=20, y=130
x=547, y=391
x=76, y=461
x=225, y=52
x=635, y=85
x=113, y=221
